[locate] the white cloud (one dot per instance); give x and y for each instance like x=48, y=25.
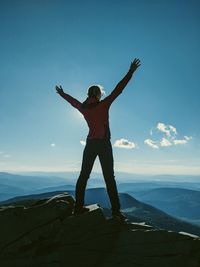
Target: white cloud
x=167, y=129
x=165, y=142
x=187, y=137
x=168, y=136
x=173, y=129
x=151, y=143
x=123, y=143
x=83, y=142
x=162, y=127
x=53, y=145
x=180, y=142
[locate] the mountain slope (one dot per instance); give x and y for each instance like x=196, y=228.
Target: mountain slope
x=175, y=201
x=142, y=211
x=134, y=209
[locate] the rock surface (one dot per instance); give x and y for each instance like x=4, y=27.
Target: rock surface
x=44, y=233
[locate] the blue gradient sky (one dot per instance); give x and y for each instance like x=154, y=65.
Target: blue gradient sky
x=79, y=43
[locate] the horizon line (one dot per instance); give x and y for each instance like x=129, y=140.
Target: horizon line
x=98, y=172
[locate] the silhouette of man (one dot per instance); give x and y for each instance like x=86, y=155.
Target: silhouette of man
x=96, y=114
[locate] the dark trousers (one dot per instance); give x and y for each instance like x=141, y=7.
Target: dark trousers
x=103, y=149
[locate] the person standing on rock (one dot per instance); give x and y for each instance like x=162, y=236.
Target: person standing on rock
x=96, y=114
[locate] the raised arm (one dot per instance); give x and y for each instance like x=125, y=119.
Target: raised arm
x=122, y=84
x=74, y=102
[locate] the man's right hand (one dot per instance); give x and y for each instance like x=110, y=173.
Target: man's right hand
x=59, y=89
x=134, y=65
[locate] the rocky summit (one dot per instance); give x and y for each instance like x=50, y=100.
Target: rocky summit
x=44, y=233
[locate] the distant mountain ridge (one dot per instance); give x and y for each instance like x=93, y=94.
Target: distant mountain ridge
x=12, y=185
x=37, y=182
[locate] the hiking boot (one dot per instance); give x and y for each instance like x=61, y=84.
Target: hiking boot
x=119, y=216
x=80, y=210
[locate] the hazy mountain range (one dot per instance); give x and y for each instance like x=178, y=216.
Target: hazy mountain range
x=179, y=202
x=176, y=198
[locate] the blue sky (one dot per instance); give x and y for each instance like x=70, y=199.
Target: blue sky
x=155, y=122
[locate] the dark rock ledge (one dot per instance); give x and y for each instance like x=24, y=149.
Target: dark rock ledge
x=44, y=233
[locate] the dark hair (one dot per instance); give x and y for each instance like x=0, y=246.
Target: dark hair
x=94, y=91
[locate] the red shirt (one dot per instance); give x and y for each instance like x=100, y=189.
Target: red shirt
x=95, y=112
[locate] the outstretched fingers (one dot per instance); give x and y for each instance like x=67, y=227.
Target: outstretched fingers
x=136, y=62
x=59, y=89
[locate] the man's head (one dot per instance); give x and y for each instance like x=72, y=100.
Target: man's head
x=95, y=91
